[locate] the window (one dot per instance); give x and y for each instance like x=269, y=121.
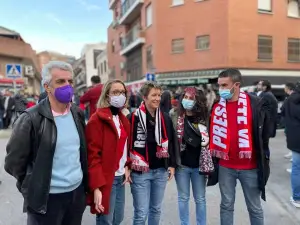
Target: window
x=202, y=42
x=265, y=48
x=96, y=53
x=149, y=15
x=293, y=8
x=99, y=73
x=105, y=67
x=294, y=49
x=113, y=46
x=265, y=5
x=177, y=2
x=178, y=45
x=149, y=57
x=121, y=40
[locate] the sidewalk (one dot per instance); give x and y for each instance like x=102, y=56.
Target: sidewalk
x=5, y=133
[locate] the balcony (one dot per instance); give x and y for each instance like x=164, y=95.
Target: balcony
x=131, y=9
x=133, y=39
x=112, y=3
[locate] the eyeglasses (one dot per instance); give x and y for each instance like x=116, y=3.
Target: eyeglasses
x=117, y=93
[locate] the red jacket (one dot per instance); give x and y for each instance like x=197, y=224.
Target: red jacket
x=30, y=104
x=92, y=96
x=102, y=141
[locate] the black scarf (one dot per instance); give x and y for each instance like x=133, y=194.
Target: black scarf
x=138, y=145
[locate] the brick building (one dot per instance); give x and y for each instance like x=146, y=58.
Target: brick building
x=14, y=50
x=191, y=41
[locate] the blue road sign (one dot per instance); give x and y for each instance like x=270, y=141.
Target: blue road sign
x=13, y=71
x=150, y=77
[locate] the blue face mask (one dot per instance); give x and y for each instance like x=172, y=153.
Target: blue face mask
x=188, y=104
x=226, y=94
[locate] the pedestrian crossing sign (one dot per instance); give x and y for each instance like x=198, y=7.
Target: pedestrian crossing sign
x=13, y=71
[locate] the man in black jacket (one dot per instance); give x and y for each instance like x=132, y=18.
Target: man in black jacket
x=291, y=113
x=47, y=153
x=265, y=92
x=238, y=139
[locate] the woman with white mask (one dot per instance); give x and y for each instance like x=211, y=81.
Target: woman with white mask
x=196, y=161
x=107, y=133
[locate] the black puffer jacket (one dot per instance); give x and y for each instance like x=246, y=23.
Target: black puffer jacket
x=291, y=113
x=30, y=152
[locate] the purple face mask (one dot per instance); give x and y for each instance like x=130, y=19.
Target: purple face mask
x=64, y=94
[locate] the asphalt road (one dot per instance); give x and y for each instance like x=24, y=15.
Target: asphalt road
x=278, y=210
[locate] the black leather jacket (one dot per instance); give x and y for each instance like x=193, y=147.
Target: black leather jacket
x=30, y=153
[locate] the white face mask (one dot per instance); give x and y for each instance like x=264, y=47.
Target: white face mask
x=117, y=101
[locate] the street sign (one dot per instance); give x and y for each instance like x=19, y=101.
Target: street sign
x=150, y=77
x=29, y=71
x=14, y=71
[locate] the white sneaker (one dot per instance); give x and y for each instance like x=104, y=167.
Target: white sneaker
x=288, y=156
x=295, y=203
x=289, y=170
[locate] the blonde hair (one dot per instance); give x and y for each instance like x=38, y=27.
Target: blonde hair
x=103, y=101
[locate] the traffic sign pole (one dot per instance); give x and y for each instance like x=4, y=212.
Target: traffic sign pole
x=15, y=86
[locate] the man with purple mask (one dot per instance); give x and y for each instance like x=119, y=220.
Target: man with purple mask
x=47, y=155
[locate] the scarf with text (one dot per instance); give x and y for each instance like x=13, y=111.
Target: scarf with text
x=220, y=130
x=138, y=145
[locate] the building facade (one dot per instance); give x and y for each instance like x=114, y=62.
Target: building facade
x=14, y=50
x=87, y=66
x=184, y=43
x=102, y=66
x=47, y=56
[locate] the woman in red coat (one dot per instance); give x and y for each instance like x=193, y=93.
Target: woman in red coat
x=107, y=133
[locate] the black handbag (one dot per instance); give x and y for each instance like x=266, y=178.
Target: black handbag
x=191, y=135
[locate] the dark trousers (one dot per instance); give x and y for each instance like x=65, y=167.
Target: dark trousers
x=62, y=209
x=7, y=120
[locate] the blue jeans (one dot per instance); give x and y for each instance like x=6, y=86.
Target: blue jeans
x=148, y=191
x=295, y=176
x=116, y=205
x=184, y=176
x=249, y=183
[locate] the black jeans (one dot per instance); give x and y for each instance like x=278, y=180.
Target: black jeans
x=62, y=209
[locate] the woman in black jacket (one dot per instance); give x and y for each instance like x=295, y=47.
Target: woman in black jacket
x=193, y=141
x=153, y=151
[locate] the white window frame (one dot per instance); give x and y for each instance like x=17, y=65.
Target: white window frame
x=149, y=15
x=265, y=5
x=177, y=2
x=290, y=12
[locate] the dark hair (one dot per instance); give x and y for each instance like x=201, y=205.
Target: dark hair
x=200, y=109
x=146, y=88
x=291, y=86
x=234, y=74
x=267, y=84
x=95, y=79
x=297, y=87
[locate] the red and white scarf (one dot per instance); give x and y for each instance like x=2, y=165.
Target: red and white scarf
x=220, y=130
x=138, y=145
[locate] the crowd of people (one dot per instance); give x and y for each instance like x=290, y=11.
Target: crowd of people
x=12, y=105
x=146, y=139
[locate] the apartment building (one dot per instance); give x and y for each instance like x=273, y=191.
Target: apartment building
x=14, y=50
x=47, y=56
x=86, y=66
x=188, y=42
x=102, y=66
